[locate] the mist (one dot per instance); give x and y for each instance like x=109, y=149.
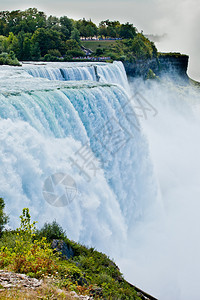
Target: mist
x=162, y=254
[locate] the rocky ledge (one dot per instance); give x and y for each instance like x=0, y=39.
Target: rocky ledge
x=11, y=280
x=171, y=63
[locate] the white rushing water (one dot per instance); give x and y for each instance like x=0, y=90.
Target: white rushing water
x=102, y=72
x=43, y=124
x=133, y=162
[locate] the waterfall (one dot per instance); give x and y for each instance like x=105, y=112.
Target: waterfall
x=104, y=72
x=45, y=128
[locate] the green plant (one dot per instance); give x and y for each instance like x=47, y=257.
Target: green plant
x=151, y=75
x=8, y=59
x=89, y=272
x=34, y=257
x=3, y=217
x=51, y=231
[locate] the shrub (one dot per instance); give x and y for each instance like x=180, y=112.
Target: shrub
x=99, y=51
x=51, y=231
x=75, y=52
x=35, y=258
x=49, y=57
x=151, y=75
x=54, y=52
x=3, y=216
x=8, y=59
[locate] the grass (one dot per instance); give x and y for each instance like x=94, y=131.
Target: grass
x=93, y=45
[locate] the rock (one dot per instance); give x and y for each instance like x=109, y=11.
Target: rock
x=10, y=280
x=61, y=247
x=174, y=64
x=81, y=281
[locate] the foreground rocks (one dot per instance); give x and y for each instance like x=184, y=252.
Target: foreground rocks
x=11, y=280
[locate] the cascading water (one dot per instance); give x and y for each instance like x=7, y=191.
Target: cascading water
x=43, y=125
x=103, y=72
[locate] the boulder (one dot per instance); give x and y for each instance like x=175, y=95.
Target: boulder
x=61, y=247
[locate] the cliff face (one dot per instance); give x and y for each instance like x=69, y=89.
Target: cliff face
x=174, y=64
x=141, y=67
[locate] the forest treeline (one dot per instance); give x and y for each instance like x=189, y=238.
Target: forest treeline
x=31, y=35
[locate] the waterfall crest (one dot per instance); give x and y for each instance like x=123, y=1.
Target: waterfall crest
x=104, y=72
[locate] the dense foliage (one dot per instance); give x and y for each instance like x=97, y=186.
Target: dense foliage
x=34, y=36
x=28, y=250
x=133, y=49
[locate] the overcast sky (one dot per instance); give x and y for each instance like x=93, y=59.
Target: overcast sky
x=180, y=19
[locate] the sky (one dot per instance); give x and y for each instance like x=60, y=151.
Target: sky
x=179, y=19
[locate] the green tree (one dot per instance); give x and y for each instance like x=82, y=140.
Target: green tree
x=35, y=51
x=86, y=28
x=3, y=216
x=102, y=31
x=75, y=35
x=31, y=20
x=15, y=46
x=53, y=23
x=127, y=31
x=72, y=45
x=47, y=39
x=141, y=47
x=66, y=26
x=26, y=49
x=51, y=231
x=111, y=31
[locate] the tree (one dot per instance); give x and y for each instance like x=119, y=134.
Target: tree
x=66, y=26
x=111, y=31
x=86, y=28
x=90, y=30
x=47, y=39
x=51, y=231
x=32, y=19
x=127, y=31
x=72, y=45
x=141, y=47
x=102, y=31
x=3, y=216
x=35, y=51
x=53, y=22
x=75, y=35
x=26, y=49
